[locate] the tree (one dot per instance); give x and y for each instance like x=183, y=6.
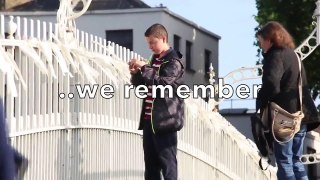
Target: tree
x=297, y=18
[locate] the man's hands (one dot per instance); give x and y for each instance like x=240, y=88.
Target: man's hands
x=135, y=65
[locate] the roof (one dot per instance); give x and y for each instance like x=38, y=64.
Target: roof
x=53, y=5
x=123, y=11
x=189, y=22
x=237, y=111
x=156, y=9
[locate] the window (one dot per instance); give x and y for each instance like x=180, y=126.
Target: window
x=176, y=42
x=189, y=56
x=122, y=37
x=207, y=61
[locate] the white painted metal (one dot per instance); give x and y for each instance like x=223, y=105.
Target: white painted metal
x=310, y=158
x=317, y=14
x=97, y=138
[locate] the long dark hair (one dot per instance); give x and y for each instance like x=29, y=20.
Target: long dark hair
x=277, y=35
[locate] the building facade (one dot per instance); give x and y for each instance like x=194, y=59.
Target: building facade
x=126, y=27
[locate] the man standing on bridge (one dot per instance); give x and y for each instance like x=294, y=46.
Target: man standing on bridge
x=161, y=118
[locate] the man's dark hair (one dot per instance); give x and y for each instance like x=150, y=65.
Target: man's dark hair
x=156, y=30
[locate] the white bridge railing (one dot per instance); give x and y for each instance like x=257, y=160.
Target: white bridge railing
x=74, y=138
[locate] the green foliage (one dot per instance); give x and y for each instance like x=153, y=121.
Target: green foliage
x=296, y=16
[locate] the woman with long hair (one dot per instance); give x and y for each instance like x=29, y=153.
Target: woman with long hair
x=280, y=85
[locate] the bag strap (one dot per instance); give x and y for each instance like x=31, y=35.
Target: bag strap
x=261, y=166
x=300, y=82
x=300, y=99
x=268, y=149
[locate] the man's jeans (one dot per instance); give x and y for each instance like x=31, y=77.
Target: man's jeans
x=288, y=157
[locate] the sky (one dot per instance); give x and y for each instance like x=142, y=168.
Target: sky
x=233, y=20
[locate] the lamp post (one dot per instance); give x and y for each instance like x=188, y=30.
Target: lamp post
x=66, y=16
x=317, y=15
x=11, y=28
x=212, y=103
